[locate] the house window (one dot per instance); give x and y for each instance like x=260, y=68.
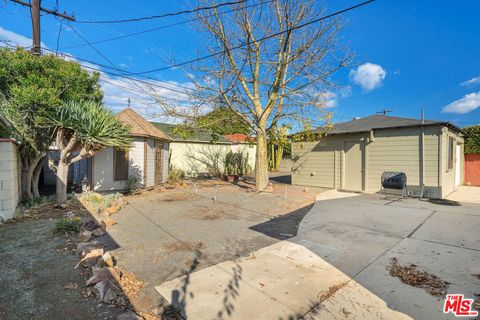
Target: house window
x=451, y=150
x=120, y=165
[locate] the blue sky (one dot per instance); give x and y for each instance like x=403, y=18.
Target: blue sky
x=409, y=54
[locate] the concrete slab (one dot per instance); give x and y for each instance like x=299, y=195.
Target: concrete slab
x=454, y=265
x=282, y=281
x=451, y=229
x=467, y=194
x=349, y=247
x=364, y=212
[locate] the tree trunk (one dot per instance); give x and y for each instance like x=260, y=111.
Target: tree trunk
x=261, y=162
x=36, y=177
x=62, y=182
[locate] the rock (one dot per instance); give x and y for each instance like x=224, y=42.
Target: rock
x=83, y=246
x=111, y=210
x=107, y=260
x=108, y=292
x=98, y=232
x=107, y=222
x=2, y=220
x=85, y=236
x=90, y=257
x=129, y=315
x=103, y=274
x=90, y=225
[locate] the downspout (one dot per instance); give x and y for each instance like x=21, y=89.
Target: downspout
x=422, y=159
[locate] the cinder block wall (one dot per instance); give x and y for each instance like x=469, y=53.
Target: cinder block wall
x=9, y=178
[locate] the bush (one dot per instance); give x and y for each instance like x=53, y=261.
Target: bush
x=68, y=225
x=132, y=185
x=176, y=175
x=35, y=202
x=236, y=163
x=472, y=139
x=97, y=201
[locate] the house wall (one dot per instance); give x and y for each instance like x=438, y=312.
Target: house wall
x=10, y=168
x=400, y=150
x=192, y=157
x=102, y=167
x=447, y=176
x=321, y=163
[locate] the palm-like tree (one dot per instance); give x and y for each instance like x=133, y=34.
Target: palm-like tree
x=81, y=130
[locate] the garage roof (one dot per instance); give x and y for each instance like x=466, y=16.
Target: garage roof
x=378, y=121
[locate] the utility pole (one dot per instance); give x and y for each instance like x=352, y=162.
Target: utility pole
x=35, y=9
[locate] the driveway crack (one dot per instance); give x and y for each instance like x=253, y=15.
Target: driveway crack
x=421, y=223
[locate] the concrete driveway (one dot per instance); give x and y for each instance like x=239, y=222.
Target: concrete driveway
x=335, y=268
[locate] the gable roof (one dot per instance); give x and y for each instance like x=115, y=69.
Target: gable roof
x=378, y=121
x=199, y=135
x=139, y=127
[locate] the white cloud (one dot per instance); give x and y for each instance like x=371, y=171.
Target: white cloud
x=15, y=39
x=466, y=104
x=368, y=76
x=470, y=82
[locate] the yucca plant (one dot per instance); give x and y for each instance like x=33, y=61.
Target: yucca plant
x=81, y=130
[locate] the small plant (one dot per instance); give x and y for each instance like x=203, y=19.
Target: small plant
x=131, y=185
x=236, y=164
x=36, y=202
x=176, y=175
x=68, y=226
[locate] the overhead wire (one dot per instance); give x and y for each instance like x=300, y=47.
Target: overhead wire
x=166, y=26
x=176, y=65
x=198, y=9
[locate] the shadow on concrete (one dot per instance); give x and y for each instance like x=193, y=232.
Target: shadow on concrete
x=281, y=178
x=285, y=226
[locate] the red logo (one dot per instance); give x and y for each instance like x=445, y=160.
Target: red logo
x=459, y=306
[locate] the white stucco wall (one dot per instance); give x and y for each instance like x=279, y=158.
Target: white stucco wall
x=102, y=164
x=191, y=157
x=9, y=179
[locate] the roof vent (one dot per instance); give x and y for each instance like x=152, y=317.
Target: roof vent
x=356, y=118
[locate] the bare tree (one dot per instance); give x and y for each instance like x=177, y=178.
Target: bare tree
x=268, y=68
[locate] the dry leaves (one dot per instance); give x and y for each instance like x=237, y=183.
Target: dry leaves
x=130, y=284
x=410, y=275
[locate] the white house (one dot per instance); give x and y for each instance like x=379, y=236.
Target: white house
x=146, y=161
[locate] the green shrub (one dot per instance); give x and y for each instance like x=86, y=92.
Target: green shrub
x=176, y=175
x=35, y=202
x=472, y=139
x=236, y=163
x=68, y=225
x=132, y=185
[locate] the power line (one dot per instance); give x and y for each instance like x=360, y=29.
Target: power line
x=259, y=40
x=166, y=26
x=198, y=9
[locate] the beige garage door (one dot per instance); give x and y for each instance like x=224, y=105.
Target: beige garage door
x=353, y=166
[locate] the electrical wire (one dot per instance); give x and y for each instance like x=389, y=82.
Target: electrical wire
x=167, y=26
x=198, y=9
x=176, y=65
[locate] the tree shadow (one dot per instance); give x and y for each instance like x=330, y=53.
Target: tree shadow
x=283, y=227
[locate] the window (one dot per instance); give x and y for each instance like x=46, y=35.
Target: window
x=120, y=165
x=451, y=150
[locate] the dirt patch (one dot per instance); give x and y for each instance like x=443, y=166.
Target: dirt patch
x=172, y=197
x=182, y=246
x=410, y=275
